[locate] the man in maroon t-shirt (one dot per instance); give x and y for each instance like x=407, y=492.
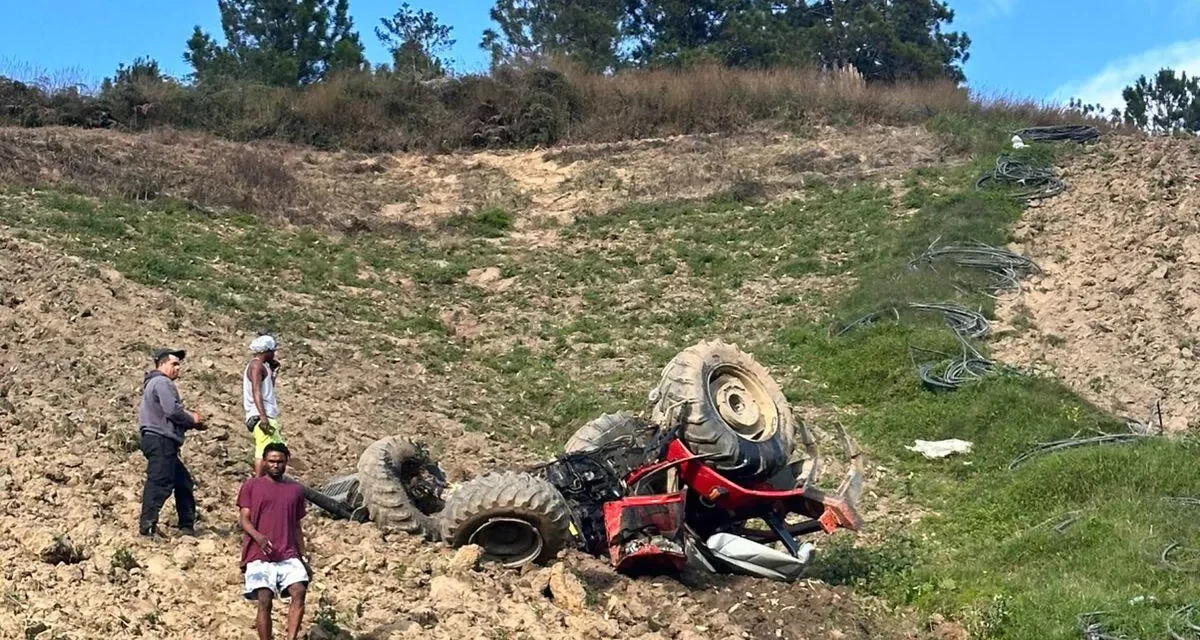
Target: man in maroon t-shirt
x=273, y=547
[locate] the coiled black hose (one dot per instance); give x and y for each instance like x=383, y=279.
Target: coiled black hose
x=1075, y=132
x=1039, y=182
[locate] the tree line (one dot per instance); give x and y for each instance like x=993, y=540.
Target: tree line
x=299, y=42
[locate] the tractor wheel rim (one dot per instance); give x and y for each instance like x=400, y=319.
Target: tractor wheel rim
x=512, y=541
x=743, y=403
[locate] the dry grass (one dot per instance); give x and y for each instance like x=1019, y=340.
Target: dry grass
x=145, y=168
x=515, y=107
x=350, y=191
x=704, y=99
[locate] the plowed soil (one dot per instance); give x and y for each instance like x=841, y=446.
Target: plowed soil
x=1117, y=313
x=73, y=344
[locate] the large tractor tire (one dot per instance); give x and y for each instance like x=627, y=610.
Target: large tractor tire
x=515, y=518
x=605, y=430
x=728, y=408
x=401, y=486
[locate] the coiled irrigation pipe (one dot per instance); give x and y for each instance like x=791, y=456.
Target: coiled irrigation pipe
x=1005, y=267
x=1075, y=132
x=961, y=320
x=1039, y=182
x=1185, y=620
x=952, y=372
x=1076, y=441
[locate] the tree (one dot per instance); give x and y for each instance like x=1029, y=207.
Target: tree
x=889, y=39
x=279, y=42
x=886, y=40
x=1166, y=104
x=133, y=91
x=735, y=33
x=416, y=40
x=587, y=33
x=140, y=70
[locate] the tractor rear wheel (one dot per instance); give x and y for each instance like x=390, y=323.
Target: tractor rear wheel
x=605, y=430
x=727, y=407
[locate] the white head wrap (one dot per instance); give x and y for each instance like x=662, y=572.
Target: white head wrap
x=262, y=344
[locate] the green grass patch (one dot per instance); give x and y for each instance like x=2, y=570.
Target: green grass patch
x=301, y=282
x=726, y=243
x=991, y=556
x=492, y=222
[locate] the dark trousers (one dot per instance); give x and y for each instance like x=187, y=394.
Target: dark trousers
x=165, y=474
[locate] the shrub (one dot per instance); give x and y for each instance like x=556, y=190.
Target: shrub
x=521, y=106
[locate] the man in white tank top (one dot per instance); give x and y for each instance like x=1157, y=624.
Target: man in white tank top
x=258, y=397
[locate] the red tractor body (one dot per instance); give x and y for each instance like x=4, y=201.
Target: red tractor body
x=650, y=532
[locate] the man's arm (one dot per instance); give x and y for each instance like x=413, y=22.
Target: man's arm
x=300, y=548
x=172, y=406
x=263, y=542
x=300, y=541
x=257, y=371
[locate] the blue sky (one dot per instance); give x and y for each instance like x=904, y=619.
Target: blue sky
x=1039, y=49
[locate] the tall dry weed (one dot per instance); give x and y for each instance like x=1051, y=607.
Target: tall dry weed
x=523, y=107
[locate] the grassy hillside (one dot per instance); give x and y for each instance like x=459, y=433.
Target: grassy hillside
x=533, y=339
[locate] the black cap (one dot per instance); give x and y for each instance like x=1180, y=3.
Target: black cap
x=161, y=354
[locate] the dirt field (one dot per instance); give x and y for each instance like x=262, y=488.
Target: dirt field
x=1117, y=313
x=73, y=342
x=68, y=469
x=352, y=191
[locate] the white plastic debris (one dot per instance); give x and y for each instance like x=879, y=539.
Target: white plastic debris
x=1018, y=143
x=940, y=448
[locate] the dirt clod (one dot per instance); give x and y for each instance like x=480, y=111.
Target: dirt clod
x=465, y=559
x=566, y=590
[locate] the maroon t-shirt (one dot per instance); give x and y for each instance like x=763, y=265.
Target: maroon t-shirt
x=275, y=510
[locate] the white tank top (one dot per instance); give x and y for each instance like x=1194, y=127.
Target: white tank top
x=268, y=394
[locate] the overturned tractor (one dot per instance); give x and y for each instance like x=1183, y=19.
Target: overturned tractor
x=687, y=484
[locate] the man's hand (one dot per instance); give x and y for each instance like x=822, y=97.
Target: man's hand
x=264, y=543
x=265, y=425
x=198, y=420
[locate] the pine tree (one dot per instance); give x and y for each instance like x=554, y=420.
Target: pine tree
x=585, y=32
x=278, y=42
x=1166, y=104
x=416, y=40
x=886, y=40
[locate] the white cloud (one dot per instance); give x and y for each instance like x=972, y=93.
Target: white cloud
x=1105, y=87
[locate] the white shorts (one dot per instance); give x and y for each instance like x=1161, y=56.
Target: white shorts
x=276, y=576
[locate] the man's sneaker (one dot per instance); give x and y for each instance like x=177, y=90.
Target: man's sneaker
x=150, y=531
x=187, y=531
